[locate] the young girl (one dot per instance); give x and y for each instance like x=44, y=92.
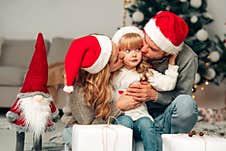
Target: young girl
x=130, y=41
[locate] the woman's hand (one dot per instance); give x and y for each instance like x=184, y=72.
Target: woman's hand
x=142, y=92
x=126, y=102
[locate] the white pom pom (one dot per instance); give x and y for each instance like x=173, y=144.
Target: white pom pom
x=196, y=3
x=197, y=78
x=138, y=16
x=194, y=19
x=68, y=89
x=210, y=74
x=202, y=35
x=214, y=56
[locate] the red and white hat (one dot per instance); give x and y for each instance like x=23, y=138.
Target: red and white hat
x=168, y=31
x=37, y=75
x=91, y=53
x=125, y=30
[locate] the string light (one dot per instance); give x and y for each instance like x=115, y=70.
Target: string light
x=207, y=82
x=207, y=64
x=202, y=88
x=193, y=96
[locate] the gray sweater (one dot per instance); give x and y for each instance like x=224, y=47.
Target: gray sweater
x=187, y=60
x=82, y=114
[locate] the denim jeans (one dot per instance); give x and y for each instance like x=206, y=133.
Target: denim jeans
x=179, y=117
x=143, y=129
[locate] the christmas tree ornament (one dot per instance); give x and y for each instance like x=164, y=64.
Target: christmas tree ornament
x=210, y=74
x=150, y=9
x=202, y=35
x=194, y=19
x=208, y=15
x=196, y=3
x=214, y=56
x=138, y=16
x=197, y=78
x=183, y=1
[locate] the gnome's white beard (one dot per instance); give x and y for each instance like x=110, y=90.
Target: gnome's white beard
x=36, y=114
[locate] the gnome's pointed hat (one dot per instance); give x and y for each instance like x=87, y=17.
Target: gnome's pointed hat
x=37, y=75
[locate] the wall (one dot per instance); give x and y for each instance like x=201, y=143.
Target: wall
x=218, y=11
x=71, y=18
x=68, y=18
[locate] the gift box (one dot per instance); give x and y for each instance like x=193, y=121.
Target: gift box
x=101, y=138
x=183, y=142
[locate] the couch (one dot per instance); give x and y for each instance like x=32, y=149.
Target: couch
x=15, y=57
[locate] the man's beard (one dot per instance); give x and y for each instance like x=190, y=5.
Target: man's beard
x=36, y=114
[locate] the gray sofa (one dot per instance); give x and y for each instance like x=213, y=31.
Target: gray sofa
x=15, y=56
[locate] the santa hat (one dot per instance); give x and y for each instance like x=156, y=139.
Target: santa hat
x=91, y=53
x=125, y=30
x=37, y=75
x=167, y=31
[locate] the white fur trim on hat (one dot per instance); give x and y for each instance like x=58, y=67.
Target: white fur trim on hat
x=125, y=30
x=105, y=53
x=68, y=89
x=159, y=39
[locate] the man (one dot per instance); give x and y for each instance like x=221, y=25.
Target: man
x=174, y=111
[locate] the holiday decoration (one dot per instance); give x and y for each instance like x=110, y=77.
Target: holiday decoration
x=202, y=35
x=211, y=51
x=196, y=3
x=197, y=78
x=138, y=16
x=194, y=19
x=214, y=56
x=34, y=110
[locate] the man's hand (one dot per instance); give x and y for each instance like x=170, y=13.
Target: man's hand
x=142, y=92
x=126, y=102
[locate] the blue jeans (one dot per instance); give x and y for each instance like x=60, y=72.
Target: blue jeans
x=179, y=117
x=143, y=129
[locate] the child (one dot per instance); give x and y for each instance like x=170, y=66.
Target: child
x=130, y=41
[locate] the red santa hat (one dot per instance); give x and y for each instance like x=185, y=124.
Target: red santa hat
x=125, y=30
x=168, y=31
x=37, y=75
x=91, y=53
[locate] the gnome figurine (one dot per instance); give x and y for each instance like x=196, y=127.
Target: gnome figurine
x=34, y=110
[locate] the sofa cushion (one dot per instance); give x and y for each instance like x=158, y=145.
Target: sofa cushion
x=58, y=49
x=18, y=52
x=11, y=76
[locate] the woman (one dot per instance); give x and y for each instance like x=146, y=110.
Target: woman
x=91, y=92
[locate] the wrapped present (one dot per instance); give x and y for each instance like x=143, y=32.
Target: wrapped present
x=101, y=138
x=182, y=142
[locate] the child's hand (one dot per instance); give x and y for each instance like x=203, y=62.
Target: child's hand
x=172, y=59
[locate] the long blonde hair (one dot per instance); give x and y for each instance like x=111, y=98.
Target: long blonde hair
x=134, y=41
x=97, y=92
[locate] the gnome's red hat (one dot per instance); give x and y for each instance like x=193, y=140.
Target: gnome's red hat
x=168, y=31
x=37, y=75
x=91, y=53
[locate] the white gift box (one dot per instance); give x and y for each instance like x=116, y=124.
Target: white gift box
x=101, y=138
x=182, y=142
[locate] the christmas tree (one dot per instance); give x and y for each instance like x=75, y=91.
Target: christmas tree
x=211, y=51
